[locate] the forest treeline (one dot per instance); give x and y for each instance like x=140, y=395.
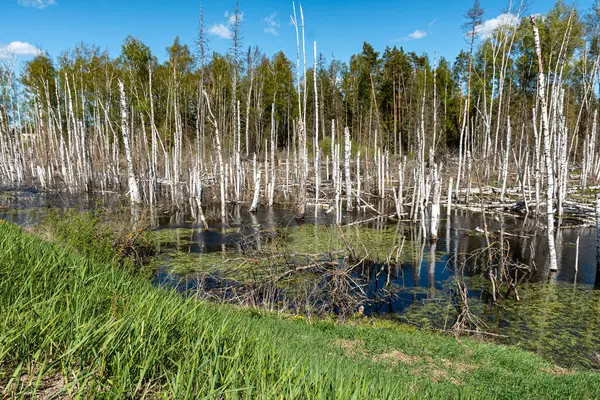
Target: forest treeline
x=374, y=92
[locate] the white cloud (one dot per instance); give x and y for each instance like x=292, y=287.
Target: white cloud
x=418, y=34
x=41, y=4
x=220, y=30
x=486, y=29
x=272, y=24
x=19, y=49
x=223, y=31
x=272, y=31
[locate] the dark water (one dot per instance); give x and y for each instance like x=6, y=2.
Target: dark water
x=457, y=235
x=558, y=314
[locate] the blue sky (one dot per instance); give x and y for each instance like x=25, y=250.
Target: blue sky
x=339, y=27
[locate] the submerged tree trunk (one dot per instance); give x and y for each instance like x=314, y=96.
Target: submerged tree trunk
x=547, y=156
x=347, y=151
x=506, y=158
x=134, y=192
x=435, y=203
x=213, y=121
x=255, y=198
x=302, y=168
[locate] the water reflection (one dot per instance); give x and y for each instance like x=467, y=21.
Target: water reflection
x=526, y=236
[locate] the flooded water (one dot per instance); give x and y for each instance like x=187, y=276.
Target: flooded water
x=402, y=277
x=558, y=314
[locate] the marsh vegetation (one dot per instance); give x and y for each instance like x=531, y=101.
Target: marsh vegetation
x=196, y=224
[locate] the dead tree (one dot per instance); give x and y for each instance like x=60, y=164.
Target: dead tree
x=134, y=193
x=547, y=156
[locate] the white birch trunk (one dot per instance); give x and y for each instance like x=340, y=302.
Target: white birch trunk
x=256, y=197
x=153, y=144
x=134, y=192
x=358, y=183
x=549, y=164
x=449, y=205
x=537, y=161
x=271, y=195
x=219, y=157
x=317, y=160
x=435, y=204
x=506, y=158
x=338, y=186
x=347, y=153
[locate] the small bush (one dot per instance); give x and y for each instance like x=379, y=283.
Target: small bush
x=97, y=238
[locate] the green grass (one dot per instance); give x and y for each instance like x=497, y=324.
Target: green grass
x=89, y=329
x=373, y=244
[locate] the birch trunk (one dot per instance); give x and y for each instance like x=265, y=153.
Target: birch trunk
x=347, y=152
x=547, y=156
x=134, y=192
x=506, y=158
x=449, y=206
x=358, y=180
x=256, y=197
x=537, y=161
x=153, y=144
x=435, y=204
x=271, y=196
x=317, y=160
x=215, y=124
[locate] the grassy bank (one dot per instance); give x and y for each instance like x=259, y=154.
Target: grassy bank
x=69, y=325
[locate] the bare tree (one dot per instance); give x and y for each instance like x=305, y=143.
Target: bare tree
x=134, y=192
x=546, y=140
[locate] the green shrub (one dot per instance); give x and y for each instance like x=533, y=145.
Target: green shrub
x=96, y=237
